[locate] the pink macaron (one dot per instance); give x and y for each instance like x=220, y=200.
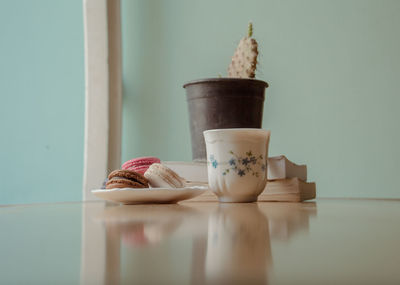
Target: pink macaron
x=140, y=164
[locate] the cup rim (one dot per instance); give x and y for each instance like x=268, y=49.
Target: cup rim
x=235, y=130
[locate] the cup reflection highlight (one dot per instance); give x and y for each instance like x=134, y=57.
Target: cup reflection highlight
x=238, y=245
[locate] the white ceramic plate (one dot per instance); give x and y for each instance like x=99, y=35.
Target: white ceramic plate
x=149, y=195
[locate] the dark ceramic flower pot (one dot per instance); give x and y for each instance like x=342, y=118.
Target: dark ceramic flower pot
x=222, y=103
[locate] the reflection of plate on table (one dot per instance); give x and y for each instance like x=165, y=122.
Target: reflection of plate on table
x=149, y=195
x=141, y=225
x=125, y=214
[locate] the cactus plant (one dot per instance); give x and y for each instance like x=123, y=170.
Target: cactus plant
x=244, y=61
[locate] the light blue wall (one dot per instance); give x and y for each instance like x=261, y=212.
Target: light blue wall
x=333, y=69
x=42, y=100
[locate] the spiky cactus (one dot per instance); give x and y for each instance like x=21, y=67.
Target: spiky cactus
x=244, y=61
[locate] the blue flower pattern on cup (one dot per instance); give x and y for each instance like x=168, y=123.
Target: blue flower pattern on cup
x=214, y=163
x=242, y=165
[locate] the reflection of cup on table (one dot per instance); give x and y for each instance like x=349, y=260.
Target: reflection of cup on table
x=237, y=163
x=238, y=247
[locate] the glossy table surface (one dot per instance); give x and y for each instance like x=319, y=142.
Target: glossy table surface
x=330, y=241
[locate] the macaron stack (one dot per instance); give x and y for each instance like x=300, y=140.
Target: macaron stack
x=143, y=172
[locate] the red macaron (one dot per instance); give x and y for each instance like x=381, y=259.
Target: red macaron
x=140, y=164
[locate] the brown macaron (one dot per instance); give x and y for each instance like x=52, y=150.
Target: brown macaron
x=126, y=179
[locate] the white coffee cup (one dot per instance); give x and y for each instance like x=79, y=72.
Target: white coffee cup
x=237, y=163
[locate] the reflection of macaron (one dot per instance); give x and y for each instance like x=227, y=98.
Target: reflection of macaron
x=161, y=176
x=126, y=179
x=140, y=164
x=135, y=236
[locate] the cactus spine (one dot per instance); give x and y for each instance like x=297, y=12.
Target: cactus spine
x=244, y=60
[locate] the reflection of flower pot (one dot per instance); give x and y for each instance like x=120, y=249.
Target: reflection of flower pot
x=221, y=103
